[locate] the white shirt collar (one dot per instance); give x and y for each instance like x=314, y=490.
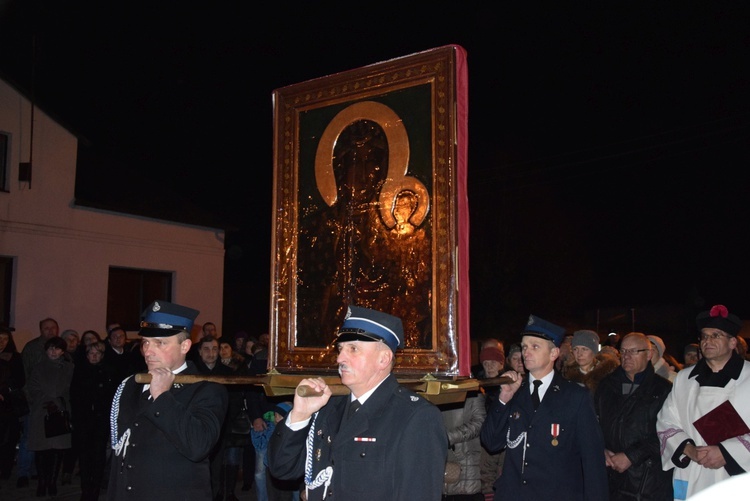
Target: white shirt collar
x=363, y=398
x=546, y=382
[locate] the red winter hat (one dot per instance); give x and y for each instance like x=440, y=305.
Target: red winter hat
x=491, y=353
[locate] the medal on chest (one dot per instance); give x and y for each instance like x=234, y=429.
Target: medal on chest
x=555, y=431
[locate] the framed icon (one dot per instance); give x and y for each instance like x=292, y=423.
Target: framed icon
x=370, y=209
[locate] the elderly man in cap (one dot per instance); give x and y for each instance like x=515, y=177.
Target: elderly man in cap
x=162, y=432
x=703, y=424
x=554, y=447
x=381, y=442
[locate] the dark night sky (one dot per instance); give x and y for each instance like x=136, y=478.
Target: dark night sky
x=608, y=141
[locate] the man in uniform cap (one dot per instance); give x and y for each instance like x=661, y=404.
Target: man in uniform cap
x=381, y=442
x=554, y=447
x=703, y=424
x=162, y=432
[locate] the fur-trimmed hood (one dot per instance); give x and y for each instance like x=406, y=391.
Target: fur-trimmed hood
x=605, y=364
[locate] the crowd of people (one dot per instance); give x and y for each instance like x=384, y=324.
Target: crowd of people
x=561, y=416
x=79, y=374
x=666, y=429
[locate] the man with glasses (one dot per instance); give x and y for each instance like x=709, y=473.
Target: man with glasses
x=703, y=424
x=627, y=402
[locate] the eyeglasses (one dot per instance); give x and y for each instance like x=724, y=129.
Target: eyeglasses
x=632, y=352
x=712, y=335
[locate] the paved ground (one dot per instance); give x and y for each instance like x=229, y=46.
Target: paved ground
x=9, y=491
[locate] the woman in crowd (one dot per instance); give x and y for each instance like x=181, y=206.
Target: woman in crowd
x=515, y=359
x=47, y=390
x=588, y=366
x=91, y=392
x=72, y=340
x=490, y=462
x=87, y=338
x=229, y=357
x=463, y=422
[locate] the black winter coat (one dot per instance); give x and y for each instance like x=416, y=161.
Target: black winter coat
x=91, y=392
x=628, y=423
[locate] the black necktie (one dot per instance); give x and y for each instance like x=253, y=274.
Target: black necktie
x=535, y=393
x=353, y=406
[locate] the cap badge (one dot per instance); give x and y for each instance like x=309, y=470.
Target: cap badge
x=156, y=306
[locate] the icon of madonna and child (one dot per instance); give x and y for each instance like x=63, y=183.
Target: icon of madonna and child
x=364, y=232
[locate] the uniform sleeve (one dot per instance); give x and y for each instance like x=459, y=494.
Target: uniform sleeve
x=425, y=450
x=495, y=427
x=194, y=428
x=286, y=452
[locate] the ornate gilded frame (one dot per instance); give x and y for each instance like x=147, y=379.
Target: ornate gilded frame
x=412, y=112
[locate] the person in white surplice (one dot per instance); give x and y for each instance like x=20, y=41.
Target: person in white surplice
x=703, y=424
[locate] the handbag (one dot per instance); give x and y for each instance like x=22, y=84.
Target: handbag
x=57, y=421
x=452, y=472
x=242, y=424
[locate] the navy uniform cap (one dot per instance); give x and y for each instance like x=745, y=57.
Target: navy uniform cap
x=364, y=324
x=164, y=319
x=539, y=327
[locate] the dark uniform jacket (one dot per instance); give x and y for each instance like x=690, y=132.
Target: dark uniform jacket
x=627, y=414
x=124, y=364
x=164, y=443
x=394, y=447
x=539, y=465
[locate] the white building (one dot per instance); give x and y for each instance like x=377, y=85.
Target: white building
x=60, y=255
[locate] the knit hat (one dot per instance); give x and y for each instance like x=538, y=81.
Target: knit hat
x=660, y=346
x=514, y=348
x=718, y=317
x=589, y=339
x=491, y=353
x=68, y=332
x=283, y=408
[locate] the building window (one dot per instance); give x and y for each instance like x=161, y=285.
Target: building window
x=129, y=292
x=4, y=160
x=6, y=286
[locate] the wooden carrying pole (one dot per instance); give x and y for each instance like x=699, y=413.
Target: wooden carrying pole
x=336, y=389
